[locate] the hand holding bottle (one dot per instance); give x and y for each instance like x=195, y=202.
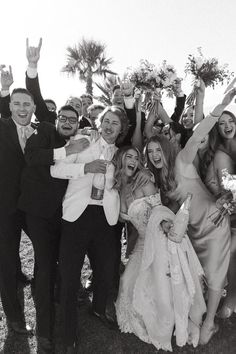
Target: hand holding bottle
x=180, y=223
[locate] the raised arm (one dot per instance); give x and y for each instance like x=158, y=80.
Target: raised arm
x=180, y=102
x=137, y=138
x=6, y=82
x=39, y=150
x=189, y=152
x=198, y=111
x=32, y=83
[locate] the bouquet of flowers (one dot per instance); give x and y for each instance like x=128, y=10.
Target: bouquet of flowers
x=226, y=203
x=148, y=78
x=207, y=69
x=229, y=182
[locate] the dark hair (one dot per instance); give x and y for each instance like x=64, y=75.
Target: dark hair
x=67, y=107
x=87, y=95
x=121, y=114
x=164, y=177
x=49, y=100
x=178, y=129
x=22, y=90
x=118, y=161
x=214, y=141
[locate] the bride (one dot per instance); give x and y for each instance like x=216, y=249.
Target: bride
x=160, y=290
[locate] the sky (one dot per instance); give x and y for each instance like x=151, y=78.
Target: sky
x=131, y=30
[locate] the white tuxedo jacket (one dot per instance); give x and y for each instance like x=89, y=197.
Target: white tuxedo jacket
x=79, y=189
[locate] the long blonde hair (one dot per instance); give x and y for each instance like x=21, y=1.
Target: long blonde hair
x=118, y=162
x=165, y=176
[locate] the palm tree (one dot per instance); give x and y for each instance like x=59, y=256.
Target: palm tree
x=87, y=59
x=107, y=85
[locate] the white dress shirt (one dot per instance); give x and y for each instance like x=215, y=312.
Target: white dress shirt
x=24, y=132
x=78, y=194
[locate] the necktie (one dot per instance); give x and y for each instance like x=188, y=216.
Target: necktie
x=24, y=133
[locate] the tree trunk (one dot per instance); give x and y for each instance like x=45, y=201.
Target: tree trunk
x=89, y=82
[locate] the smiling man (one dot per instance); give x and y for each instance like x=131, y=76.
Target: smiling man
x=89, y=221
x=41, y=200
x=13, y=135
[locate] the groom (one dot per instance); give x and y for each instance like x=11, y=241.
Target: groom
x=89, y=221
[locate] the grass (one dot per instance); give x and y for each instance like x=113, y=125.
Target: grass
x=93, y=337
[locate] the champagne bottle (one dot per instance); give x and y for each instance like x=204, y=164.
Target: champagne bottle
x=182, y=218
x=98, y=185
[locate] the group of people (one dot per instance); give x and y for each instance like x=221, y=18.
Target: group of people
x=71, y=180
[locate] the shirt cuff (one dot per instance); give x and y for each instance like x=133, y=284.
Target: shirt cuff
x=59, y=154
x=5, y=93
x=129, y=102
x=32, y=72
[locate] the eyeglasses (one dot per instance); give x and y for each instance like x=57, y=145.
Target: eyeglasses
x=63, y=119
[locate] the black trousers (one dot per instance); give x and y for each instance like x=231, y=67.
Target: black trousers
x=89, y=232
x=45, y=236
x=10, y=234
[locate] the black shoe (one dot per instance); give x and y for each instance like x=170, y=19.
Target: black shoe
x=82, y=296
x=24, y=279
x=21, y=328
x=71, y=349
x=108, y=322
x=45, y=346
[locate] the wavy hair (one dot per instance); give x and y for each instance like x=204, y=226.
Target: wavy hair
x=165, y=176
x=121, y=114
x=118, y=161
x=215, y=140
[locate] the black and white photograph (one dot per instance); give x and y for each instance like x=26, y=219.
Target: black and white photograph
x=118, y=177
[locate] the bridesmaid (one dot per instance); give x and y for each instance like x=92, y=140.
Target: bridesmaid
x=211, y=243
x=215, y=160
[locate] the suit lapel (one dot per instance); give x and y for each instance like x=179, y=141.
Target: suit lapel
x=14, y=136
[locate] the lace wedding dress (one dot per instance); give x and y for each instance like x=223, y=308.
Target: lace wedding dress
x=160, y=290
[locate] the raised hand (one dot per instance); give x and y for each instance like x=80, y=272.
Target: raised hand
x=6, y=78
x=127, y=88
x=96, y=166
x=138, y=99
x=231, y=85
x=201, y=88
x=33, y=53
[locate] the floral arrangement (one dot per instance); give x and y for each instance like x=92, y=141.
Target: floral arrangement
x=207, y=69
x=229, y=183
x=148, y=77
x=226, y=203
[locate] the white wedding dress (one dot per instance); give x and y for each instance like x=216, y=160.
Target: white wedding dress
x=160, y=290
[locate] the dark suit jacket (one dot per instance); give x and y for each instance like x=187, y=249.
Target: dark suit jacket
x=42, y=113
x=179, y=107
x=11, y=165
x=84, y=123
x=131, y=114
x=4, y=106
x=41, y=195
